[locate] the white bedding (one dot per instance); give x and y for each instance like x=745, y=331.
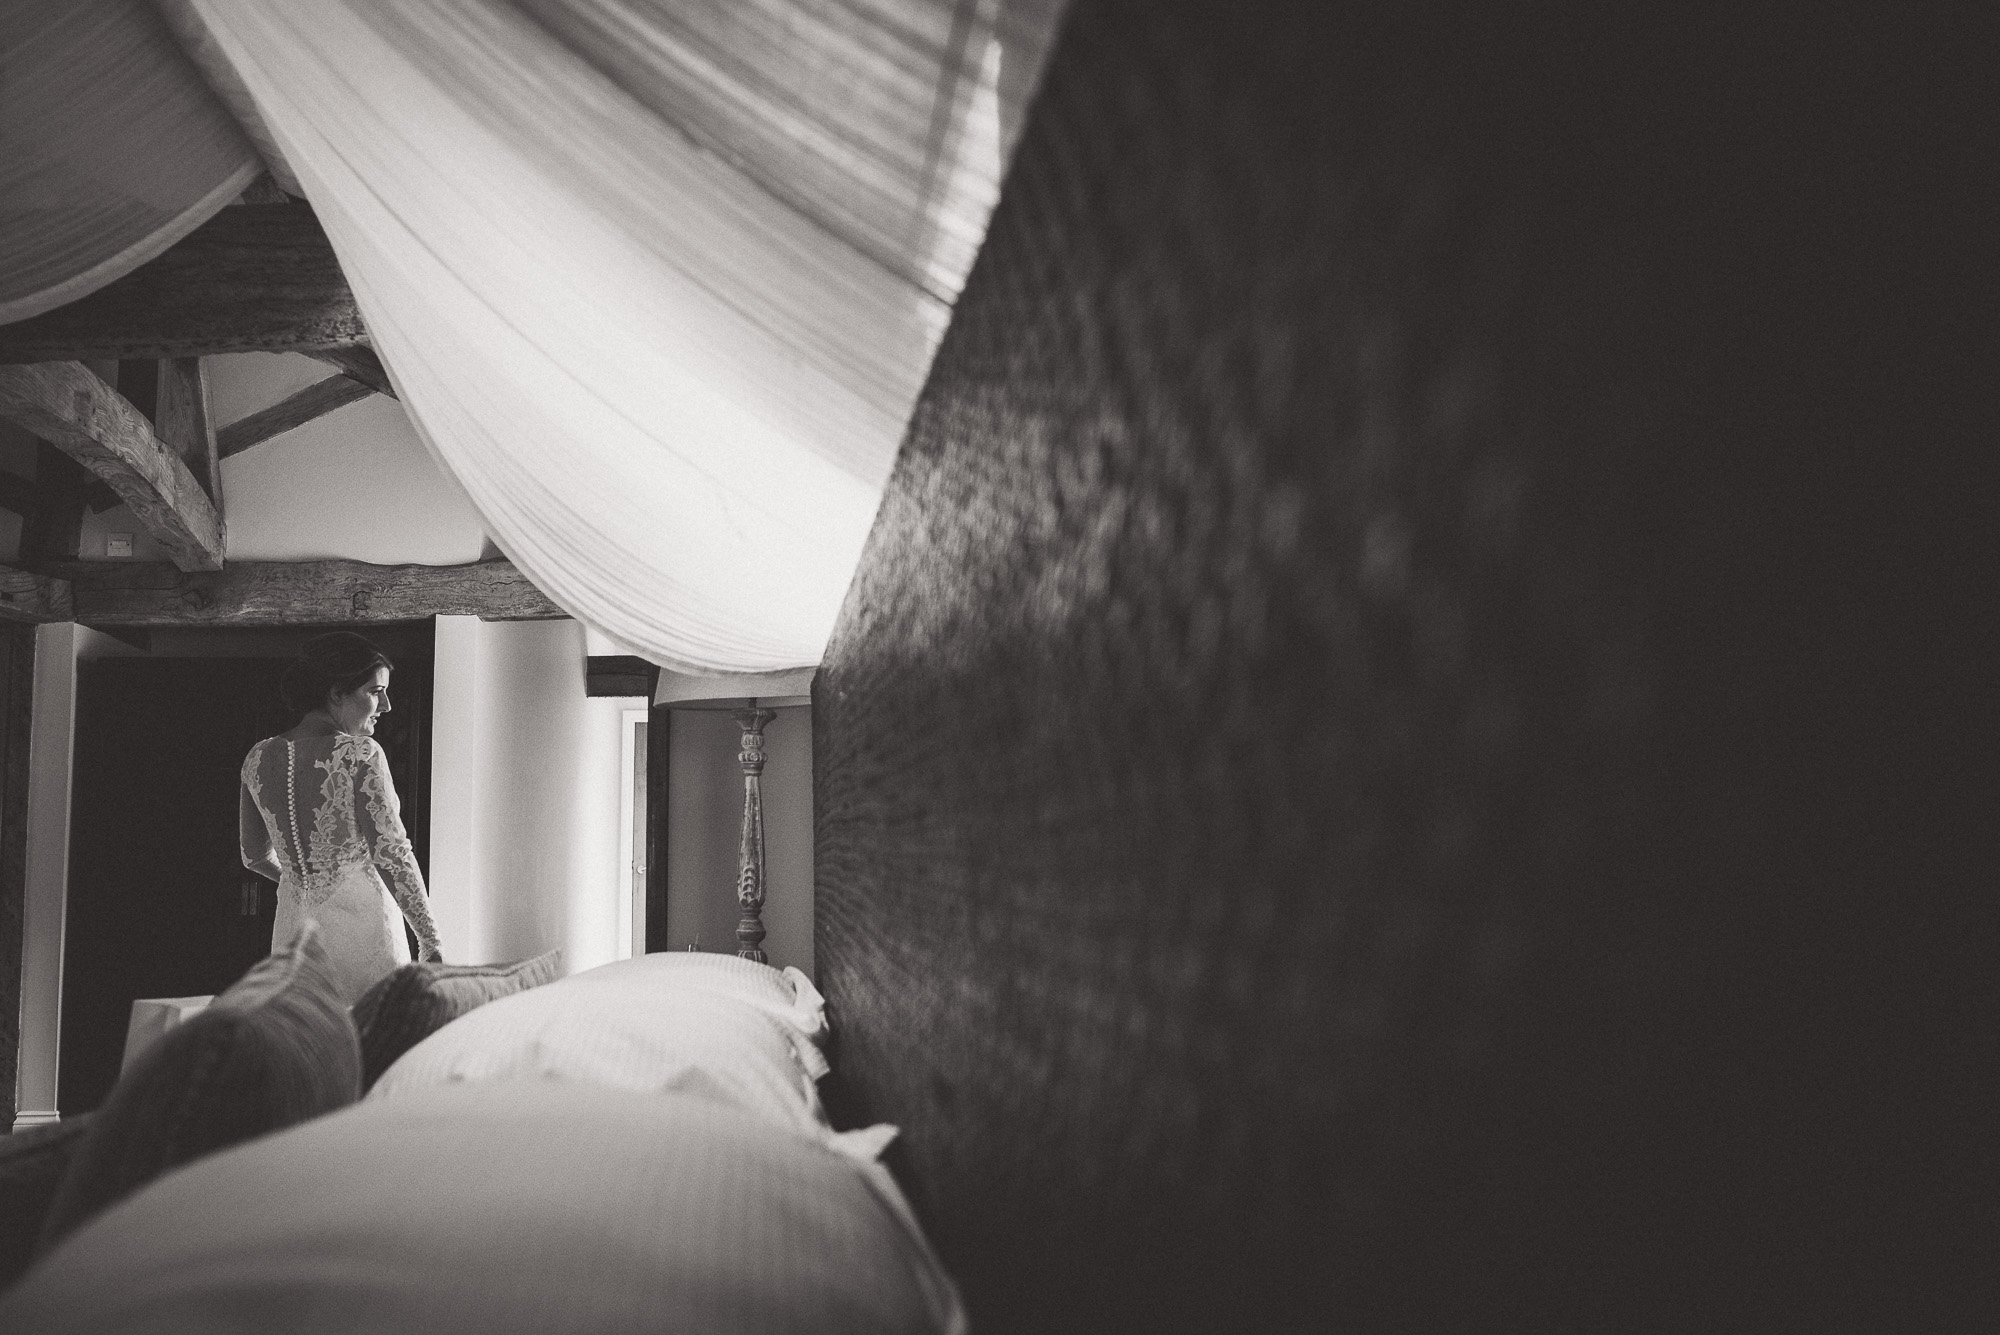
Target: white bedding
x=711, y=1025
x=512, y=1206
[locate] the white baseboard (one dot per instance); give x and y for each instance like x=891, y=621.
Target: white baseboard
x=29, y=1117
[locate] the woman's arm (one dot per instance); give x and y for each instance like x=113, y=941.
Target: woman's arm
x=380, y=820
x=252, y=835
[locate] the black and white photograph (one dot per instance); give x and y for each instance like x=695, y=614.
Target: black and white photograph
x=781, y=667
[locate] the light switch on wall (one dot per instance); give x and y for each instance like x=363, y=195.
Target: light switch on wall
x=118, y=544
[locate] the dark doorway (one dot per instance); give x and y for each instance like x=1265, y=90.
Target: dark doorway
x=659, y=738
x=159, y=902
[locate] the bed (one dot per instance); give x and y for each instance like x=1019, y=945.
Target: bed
x=1380, y=767
x=640, y=1146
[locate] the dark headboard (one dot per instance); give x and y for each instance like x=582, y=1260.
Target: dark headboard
x=1381, y=765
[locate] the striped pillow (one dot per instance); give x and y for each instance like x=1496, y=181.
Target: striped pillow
x=714, y=1025
x=528, y=1208
x=417, y=1000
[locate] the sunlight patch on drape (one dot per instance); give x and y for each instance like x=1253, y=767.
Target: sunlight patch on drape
x=658, y=282
x=112, y=148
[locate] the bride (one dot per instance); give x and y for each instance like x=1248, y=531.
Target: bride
x=320, y=817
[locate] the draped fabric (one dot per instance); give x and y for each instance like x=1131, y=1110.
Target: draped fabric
x=658, y=281
x=112, y=148
x=209, y=58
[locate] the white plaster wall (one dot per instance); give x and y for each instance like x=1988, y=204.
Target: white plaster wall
x=599, y=891
x=357, y=483
x=525, y=788
x=97, y=529
x=704, y=829
x=241, y=383
x=456, y=767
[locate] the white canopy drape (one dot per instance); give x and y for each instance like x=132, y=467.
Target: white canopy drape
x=659, y=282
x=112, y=148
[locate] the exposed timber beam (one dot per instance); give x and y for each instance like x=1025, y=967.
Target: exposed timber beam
x=314, y=401
x=185, y=423
x=172, y=394
x=264, y=190
x=25, y=596
x=619, y=674
x=298, y=593
x=259, y=278
x=68, y=406
x=359, y=362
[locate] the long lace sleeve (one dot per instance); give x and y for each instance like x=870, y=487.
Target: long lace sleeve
x=379, y=820
x=253, y=836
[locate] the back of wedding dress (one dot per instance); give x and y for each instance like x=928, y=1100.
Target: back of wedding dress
x=322, y=814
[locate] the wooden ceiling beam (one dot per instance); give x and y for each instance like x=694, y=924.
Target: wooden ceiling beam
x=298, y=593
x=67, y=405
x=314, y=401
x=358, y=362
x=264, y=190
x=172, y=394
x=26, y=596
x=619, y=675
x=257, y=278
x=185, y=423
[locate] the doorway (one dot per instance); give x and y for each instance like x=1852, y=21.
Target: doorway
x=633, y=818
x=159, y=902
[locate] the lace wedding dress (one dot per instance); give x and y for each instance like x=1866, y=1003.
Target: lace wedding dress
x=321, y=812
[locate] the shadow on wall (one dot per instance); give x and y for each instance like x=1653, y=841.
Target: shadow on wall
x=704, y=827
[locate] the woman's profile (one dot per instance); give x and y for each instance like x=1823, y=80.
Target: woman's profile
x=320, y=817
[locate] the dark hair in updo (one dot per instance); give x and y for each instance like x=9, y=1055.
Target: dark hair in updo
x=330, y=664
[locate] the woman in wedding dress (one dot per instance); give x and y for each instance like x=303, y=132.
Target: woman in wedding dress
x=320, y=817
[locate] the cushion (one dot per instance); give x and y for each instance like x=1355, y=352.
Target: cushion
x=275, y=1049
x=154, y=1016
x=32, y=1162
x=714, y=1025
x=488, y=1209
x=417, y=1000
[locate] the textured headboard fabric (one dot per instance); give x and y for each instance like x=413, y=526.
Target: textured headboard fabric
x=1386, y=765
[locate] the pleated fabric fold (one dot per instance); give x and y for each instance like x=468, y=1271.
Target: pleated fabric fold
x=112, y=148
x=659, y=283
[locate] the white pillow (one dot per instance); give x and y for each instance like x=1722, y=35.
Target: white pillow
x=493, y=1209
x=713, y=1025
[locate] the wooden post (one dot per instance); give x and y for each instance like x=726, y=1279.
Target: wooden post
x=750, y=854
x=184, y=423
